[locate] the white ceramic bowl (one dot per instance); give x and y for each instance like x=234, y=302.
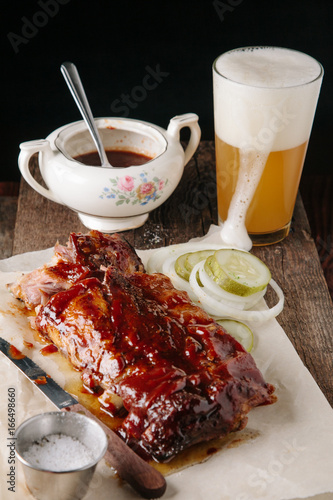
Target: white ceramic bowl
x=112, y=199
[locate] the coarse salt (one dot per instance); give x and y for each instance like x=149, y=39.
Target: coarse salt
x=58, y=452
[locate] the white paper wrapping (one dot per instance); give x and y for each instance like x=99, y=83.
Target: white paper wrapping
x=291, y=456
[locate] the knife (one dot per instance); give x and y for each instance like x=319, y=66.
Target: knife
x=131, y=468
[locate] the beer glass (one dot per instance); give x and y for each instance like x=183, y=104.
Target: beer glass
x=264, y=104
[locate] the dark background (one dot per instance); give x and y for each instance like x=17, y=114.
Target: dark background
x=117, y=43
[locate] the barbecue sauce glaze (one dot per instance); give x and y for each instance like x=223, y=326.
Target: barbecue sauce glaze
x=181, y=378
x=178, y=377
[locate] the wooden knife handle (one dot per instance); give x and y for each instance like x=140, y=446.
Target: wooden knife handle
x=131, y=468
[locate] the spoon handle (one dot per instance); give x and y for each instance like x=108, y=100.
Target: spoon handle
x=74, y=83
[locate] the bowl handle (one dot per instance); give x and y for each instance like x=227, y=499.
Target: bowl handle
x=27, y=150
x=187, y=120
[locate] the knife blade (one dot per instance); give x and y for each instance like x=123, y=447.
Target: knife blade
x=146, y=480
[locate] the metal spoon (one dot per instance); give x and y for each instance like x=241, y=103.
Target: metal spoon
x=74, y=83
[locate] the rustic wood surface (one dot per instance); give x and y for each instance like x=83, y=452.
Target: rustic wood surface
x=8, y=209
x=317, y=195
x=295, y=263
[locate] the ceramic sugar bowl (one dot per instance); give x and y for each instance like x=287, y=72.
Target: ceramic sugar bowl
x=112, y=199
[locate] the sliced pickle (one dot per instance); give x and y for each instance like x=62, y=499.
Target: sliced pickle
x=180, y=267
x=238, y=272
x=194, y=258
x=241, y=332
x=186, y=262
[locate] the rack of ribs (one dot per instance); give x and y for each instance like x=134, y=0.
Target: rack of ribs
x=181, y=378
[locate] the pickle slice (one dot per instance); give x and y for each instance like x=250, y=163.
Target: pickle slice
x=186, y=262
x=238, y=272
x=241, y=332
x=193, y=258
x=180, y=267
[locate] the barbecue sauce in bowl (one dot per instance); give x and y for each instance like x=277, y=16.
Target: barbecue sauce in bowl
x=117, y=158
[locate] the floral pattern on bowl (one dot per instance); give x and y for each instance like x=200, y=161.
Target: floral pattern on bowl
x=124, y=191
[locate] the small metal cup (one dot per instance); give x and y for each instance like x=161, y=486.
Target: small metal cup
x=65, y=484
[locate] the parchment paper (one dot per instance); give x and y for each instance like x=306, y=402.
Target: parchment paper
x=291, y=456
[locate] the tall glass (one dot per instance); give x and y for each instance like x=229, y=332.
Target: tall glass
x=264, y=104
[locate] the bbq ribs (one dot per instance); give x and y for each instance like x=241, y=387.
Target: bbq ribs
x=181, y=378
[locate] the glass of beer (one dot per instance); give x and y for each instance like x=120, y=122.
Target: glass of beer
x=264, y=104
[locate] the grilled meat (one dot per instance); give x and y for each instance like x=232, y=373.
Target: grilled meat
x=96, y=250
x=181, y=378
x=85, y=255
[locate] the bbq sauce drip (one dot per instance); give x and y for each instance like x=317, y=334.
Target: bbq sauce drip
x=117, y=158
x=15, y=353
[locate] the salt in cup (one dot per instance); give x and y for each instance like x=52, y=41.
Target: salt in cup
x=55, y=481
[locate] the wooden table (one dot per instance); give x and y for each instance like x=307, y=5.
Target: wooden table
x=307, y=317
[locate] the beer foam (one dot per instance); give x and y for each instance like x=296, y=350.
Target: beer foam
x=270, y=67
x=234, y=232
x=265, y=97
